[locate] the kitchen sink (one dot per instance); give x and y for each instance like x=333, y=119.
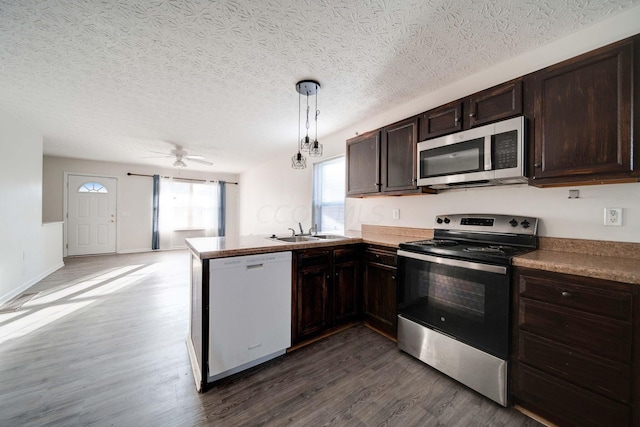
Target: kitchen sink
x=330, y=237
x=308, y=238
x=296, y=239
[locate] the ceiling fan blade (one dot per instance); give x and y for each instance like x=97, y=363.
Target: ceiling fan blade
x=204, y=162
x=156, y=157
x=161, y=153
x=197, y=157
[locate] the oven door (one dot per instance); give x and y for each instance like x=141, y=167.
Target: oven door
x=465, y=300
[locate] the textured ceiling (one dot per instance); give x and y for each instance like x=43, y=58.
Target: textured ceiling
x=114, y=80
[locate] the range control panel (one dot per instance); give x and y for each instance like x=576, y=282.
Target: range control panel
x=493, y=223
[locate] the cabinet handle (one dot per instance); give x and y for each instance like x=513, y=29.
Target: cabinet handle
x=472, y=114
x=456, y=120
x=328, y=276
x=393, y=277
x=377, y=256
x=566, y=294
x=337, y=274
x=536, y=165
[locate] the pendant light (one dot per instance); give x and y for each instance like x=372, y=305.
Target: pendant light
x=298, y=161
x=315, y=149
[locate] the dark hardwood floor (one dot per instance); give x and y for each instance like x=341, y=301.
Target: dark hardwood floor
x=103, y=343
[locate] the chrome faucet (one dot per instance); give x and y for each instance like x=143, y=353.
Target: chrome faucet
x=293, y=232
x=314, y=230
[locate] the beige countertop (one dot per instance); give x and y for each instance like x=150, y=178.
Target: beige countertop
x=626, y=270
x=221, y=247
x=616, y=261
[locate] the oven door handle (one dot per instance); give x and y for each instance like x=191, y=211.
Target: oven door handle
x=498, y=269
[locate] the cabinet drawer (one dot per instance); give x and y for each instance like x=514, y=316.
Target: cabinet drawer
x=564, y=403
x=313, y=257
x=598, y=335
x=566, y=293
x=605, y=377
x=346, y=254
x=380, y=256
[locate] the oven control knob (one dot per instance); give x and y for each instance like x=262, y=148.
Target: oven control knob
x=525, y=224
x=442, y=319
x=447, y=220
x=513, y=222
x=439, y=220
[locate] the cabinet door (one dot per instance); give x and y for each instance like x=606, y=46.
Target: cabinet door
x=347, y=299
x=583, y=118
x=380, y=309
x=399, y=146
x=440, y=121
x=363, y=164
x=498, y=103
x=563, y=403
x=312, y=309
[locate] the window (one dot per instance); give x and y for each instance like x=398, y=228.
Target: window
x=328, y=195
x=92, y=187
x=188, y=205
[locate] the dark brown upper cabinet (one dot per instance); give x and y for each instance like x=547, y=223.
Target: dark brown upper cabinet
x=497, y=103
x=399, y=148
x=583, y=115
x=441, y=121
x=383, y=162
x=363, y=164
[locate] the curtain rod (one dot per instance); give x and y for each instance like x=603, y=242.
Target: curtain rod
x=184, y=179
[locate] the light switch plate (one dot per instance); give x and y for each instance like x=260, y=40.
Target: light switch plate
x=395, y=213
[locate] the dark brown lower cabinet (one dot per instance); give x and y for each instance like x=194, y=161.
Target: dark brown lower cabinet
x=574, y=343
x=311, y=309
x=347, y=285
x=326, y=290
x=380, y=286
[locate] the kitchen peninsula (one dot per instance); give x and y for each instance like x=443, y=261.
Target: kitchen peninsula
x=597, y=269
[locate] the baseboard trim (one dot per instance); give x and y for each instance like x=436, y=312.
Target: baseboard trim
x=20, y=289
x=536, y=417
x=138, y=251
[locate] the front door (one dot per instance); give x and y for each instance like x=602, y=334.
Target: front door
x=91, y=215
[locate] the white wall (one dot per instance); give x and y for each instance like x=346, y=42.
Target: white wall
x=276, y=197
x=29, y=250
x=134, y=197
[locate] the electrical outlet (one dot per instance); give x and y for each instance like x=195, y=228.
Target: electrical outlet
x=395, y=213
x=613, y=217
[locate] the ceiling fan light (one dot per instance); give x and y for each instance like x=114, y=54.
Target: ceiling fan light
x=179, y=164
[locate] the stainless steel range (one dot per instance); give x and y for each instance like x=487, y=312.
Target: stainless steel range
x=454, y=297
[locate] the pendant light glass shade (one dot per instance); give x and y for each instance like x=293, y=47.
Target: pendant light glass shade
x=298, y=161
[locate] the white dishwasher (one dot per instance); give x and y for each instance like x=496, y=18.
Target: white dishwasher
x=249, y=311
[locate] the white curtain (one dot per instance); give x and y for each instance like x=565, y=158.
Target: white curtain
x=187, y=209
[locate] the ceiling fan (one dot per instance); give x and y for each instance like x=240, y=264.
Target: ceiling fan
x=180, y=155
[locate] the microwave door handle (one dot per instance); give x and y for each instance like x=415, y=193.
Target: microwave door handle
x=487, y=153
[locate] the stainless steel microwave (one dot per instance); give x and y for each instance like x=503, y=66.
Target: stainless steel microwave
x=488, y=155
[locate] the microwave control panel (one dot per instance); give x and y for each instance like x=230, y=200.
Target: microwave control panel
x=505, y=150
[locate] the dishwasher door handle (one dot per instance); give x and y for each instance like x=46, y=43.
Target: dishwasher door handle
x=254, y=266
